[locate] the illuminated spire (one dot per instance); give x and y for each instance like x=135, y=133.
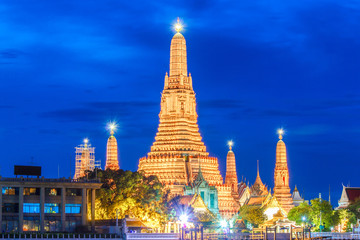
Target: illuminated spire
x=86, y=141
x=230, y=144
x=112, y=161
x=281, y=175
x=178, y=62
x=231, y=176
x=281, y=133
x=112, y=127
x=258, y=179
x=178, y=26
x=258, y=188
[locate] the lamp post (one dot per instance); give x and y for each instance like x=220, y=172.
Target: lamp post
x=183, y=220
x=304, y=220
x=320, y=226
x=224, y=226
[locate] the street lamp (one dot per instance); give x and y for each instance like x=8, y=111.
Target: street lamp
x=304, y=220
x=223, y=223
x=183, y=218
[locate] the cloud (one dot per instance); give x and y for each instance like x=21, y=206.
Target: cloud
x=221, y=103
x=99, y=111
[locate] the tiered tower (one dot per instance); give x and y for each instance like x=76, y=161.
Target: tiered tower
x=178, y=148
x=112, y=161
x=84, y=159
x=231, y=176
x=281, y=176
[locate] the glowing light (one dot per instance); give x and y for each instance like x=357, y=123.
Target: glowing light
x=86, y=140
x=183, y=218
x=223, y=223
x=280, y=132
x=178, y=26
x=304, y=218
x=112, y=126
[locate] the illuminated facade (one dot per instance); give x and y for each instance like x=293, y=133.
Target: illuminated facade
x=231, y=176
x=46, y=205
x=112, y=161
x=178, y=149
x=84, y=159
x=281, y=176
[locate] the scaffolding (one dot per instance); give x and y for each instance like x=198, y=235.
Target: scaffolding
x=85, y=159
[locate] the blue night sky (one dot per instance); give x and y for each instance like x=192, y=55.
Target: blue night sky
x=69, y=67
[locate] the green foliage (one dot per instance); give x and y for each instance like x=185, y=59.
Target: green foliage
x=328, y=219
x=355, y=208
x=297, y=213
x=346, y=218
x=254, y=215
x=130, y=193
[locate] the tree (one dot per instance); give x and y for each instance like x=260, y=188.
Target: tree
x=327, y=214
x=346, y=218
x=252, y=214
x=130, y=193
x=354, y=207
x=298, y=213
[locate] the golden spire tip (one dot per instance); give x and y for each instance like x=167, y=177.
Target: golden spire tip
x=112, y=127
x=281, y=133
x=230, y=144
x=178, y=26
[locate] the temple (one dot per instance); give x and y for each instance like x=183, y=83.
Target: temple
x=112, y=161
x=231, y=176
x=178, y=156
x=297, y=199
x=178, y=150
x=281, y=176
x=84, y=159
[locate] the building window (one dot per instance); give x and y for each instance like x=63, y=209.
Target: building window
x=52, y=225
x=73, y=192
x=212, y=200
x=10, y=224
x=10, y=191
x=73, y=208
x=51, y=208
x=52, y=191
x=31, y=208
x=71, y=223
x=31, y=191
x=10, y=208
x=31, y=224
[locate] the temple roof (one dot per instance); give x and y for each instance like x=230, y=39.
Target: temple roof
x=353, y=193
x=296, y=195
x=258, y=188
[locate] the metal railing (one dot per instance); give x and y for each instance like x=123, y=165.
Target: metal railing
x=335, y=235
x=149, y=236
x=42, y=179
x=58, y=236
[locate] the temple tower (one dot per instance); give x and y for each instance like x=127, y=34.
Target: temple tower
x=178, y=148
x=112, y=161
x=231, y=176
x=281, y=176
x=84, y=159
